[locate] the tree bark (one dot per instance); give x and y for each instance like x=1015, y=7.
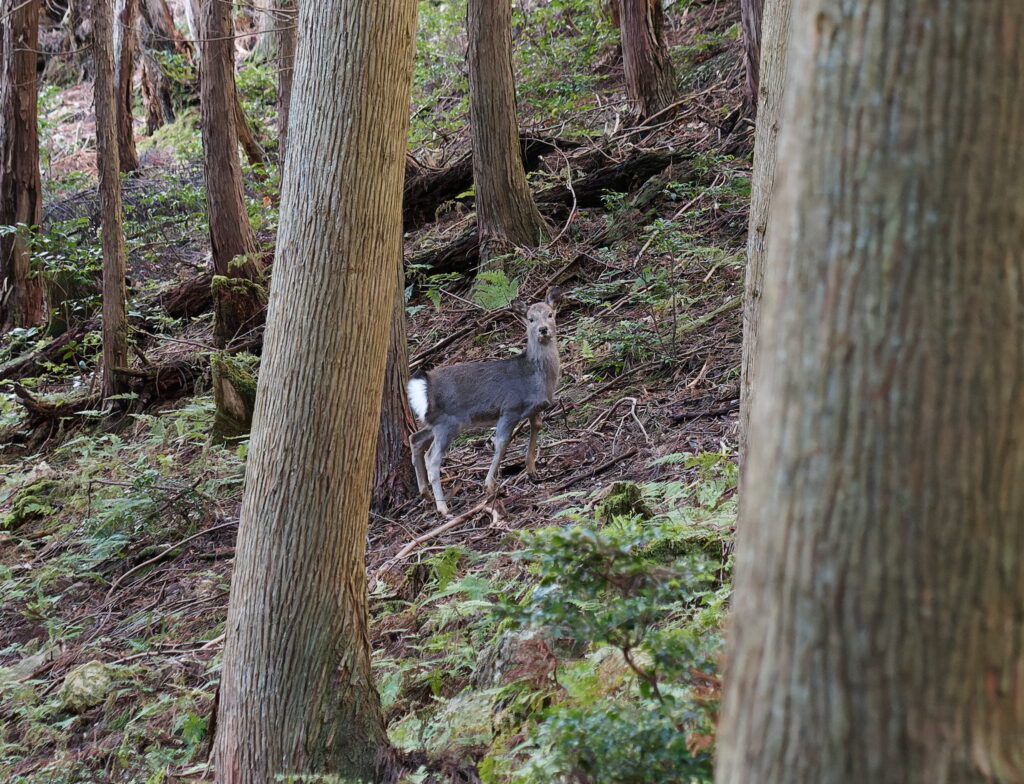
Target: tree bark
x=297, y=645
x=393, y=478
x=21, y=295
x=750, y=15
x=125, y=44
x=505, y=210
x=287, y=16
x=231, y=234
x=158, y=34
x=775, y=39
x=233, y=243
x=105, y=90
x=877, y=630
x=650, y=80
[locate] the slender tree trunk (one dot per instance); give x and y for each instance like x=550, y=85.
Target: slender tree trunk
x=775, y=37
x=231, y=234
x=239, y=297
x=393, y=478
x=650, y=80
x=297, y=646
x=158, y=34
x=877, y=633
x=253, y=150
x=287, y=16
x=21, y=295
x=505, y=211
x=115, y=317
x=125, y=44
x=750, y=13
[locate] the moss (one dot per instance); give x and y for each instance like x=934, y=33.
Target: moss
x=176, y=135
x=692, y=542
x=33, y=503
x=623, y=499
x=234, y=389
x=239, y=304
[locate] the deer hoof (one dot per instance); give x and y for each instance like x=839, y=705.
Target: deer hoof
x=534, y=476
x=442, y=509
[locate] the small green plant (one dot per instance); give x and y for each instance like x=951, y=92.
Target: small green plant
x=494, y=290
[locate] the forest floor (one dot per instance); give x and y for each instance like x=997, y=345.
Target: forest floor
x=116, y=535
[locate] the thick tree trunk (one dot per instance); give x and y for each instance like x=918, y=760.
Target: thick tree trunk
x=650, y=80
x=297, y=646
x=21, y=295
x=287, y=16
x=125, y=45
x=393, y=477
x=775, y=38
x=750, y=13
x=115, y=316
x=505, y=210
x=877, y=633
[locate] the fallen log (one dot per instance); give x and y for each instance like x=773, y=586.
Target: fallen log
x=426, y=190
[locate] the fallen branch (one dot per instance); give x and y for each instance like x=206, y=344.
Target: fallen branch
x=594, y=471
x=698, y=413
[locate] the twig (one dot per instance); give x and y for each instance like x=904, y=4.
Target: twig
x=163, y=553
x=594, y=471
x=697, y=413
x=485, y=505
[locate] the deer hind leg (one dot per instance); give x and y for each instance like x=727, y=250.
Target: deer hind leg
x=419, y=442
x=531, y=454
x=444, y=434
x=502, y=435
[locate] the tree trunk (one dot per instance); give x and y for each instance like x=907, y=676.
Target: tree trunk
x=750, y=13
x=650, y=80
x=877, y=632
x=297, y=645
x=231, y=236
x=775, y=37
x=125, y=44
x=505, y=211
x=286, y=29
x=21, y=295
x=393, y=478
x=105, y=90
x=158, y=34
x=253, y=150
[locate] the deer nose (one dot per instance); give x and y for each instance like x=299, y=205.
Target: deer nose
x=544, y=330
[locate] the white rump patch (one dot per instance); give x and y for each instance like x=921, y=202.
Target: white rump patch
x=417, y=390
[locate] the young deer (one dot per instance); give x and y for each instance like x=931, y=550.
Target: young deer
x=499, y=393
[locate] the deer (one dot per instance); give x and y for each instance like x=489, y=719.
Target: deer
x=497, y=393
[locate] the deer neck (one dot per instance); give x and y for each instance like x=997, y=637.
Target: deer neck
x=544, y=358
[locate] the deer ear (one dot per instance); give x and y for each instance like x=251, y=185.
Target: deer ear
x=555, y=296
x=518, y=307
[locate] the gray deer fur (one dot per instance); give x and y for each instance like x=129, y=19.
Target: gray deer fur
x=500, y=393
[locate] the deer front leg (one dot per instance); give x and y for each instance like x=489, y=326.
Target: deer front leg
x=531, y=454
x=502, y=435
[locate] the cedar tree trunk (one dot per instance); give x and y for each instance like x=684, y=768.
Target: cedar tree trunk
x=239, y=298
x=877, y=632
x=775, y=36
x=750, y=12
x=21, y=295
x=125, y=44
x=287, y=16
x=505, y=211
x=297, y=694
x=115, y=317
x=650, y=81
x=394, y=479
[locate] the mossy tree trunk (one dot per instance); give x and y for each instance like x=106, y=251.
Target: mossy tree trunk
x=115, y=316
x=126, y=42
x=877, y=629
x=21, y=294
x=231, y=236
x=774, y=43
x=297, y=644
x=650, y=80
x=505, y=211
